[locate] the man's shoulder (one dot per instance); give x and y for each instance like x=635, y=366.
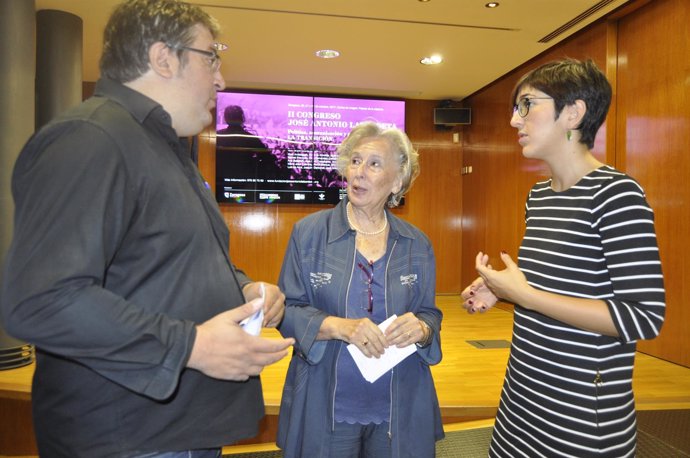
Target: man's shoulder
x=98, y=112
x=96, y=117
x=96, y=126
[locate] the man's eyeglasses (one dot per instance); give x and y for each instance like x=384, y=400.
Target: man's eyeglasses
x=523, y=105
x=369, y=280
x=212, y=55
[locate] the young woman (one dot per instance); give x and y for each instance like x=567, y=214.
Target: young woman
x=587, y=285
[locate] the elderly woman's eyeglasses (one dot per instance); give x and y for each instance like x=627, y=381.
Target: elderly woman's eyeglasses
x=369, y=280
x=212, y=55
x=523, y=105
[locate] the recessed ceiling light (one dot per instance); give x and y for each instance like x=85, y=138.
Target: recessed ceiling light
x=492, y=5
x=327, y=53
x=432, y=60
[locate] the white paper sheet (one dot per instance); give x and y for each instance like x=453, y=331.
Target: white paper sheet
x=252, y=324
x=372, y=368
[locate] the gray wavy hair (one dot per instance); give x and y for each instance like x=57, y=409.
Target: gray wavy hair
x=408, y=158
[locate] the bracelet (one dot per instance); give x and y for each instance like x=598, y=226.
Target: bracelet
x=426, y=330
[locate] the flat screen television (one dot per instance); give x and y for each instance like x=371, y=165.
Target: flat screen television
x=278, y=148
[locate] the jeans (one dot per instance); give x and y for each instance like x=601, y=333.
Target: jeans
x=360, y=441
x=199, y=453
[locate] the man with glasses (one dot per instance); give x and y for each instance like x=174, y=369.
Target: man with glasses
x=119, y=270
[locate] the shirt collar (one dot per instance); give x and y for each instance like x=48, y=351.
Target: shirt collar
x=136, y=103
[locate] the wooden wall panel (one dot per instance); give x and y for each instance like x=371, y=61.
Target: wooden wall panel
x=16, y=428
x=259, y=233
x=494, y=193
x=653, y=132
x=646, y=54
x=491, y=208
x=435, y=202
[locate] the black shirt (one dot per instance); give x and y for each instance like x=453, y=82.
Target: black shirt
x=119, y=250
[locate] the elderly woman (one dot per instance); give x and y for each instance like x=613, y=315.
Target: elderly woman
x=347, y=270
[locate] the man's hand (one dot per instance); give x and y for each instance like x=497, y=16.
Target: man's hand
x=223, y=350
x=274, y=301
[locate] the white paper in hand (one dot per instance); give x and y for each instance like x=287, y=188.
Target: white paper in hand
x=252, y=324
x=372, y=368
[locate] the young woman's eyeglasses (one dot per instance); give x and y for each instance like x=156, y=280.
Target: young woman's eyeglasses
x=369, y=280
x=212, y=55
x=523, y=105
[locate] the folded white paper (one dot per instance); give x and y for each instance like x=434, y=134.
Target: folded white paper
x=252, y=324
x=373, y=368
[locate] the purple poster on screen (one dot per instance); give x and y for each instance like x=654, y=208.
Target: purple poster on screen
x=282, y=148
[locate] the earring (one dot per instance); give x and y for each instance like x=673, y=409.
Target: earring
x=569, y=134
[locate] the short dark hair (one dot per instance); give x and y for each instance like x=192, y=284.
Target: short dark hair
x=233, y=115
x=135, y=25
x=569, y=80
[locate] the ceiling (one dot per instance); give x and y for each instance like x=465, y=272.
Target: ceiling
x=272, y=43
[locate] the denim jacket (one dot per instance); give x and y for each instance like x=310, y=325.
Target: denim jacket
x=315, y=277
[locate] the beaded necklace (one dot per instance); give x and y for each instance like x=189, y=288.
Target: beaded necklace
x=359, y=231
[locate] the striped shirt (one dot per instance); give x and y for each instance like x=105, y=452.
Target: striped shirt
x=568, y=392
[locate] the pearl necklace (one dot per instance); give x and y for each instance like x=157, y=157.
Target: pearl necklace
x=348, y=210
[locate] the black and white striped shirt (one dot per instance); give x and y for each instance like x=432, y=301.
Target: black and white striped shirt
x=568, y=392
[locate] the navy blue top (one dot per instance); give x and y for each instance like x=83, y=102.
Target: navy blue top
x=356, y=399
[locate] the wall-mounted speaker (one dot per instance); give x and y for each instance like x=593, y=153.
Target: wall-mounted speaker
x=452, y=116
